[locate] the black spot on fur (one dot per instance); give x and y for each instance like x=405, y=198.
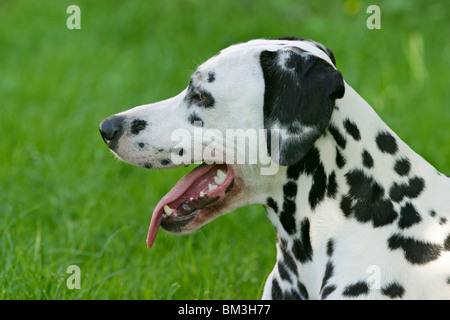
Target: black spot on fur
x=338, y=137
x=137, y=126
x=386, y=142
x=327, y=291
x=148, y=165
x=340, y=160
x=293, y=172
x=302, y=289
x=194, y=119
x=290, y=189
x=432, y=213
x=288, y=260
x=307, y=164
x=211, y=77
x=311, y=165
x=352, y=129
x=287, y=218
x=287, y=295
x=411, y=189
x=356, y=289
x=330, y=247
x=295, y=295
x=319, y=186
x=393, y=290
x=383, y=213
x=332, y=185
x=369, y=202
x=447, y=243
x=165, y=162
x=282, y=270
x=141, y=145
x=442, y=221
x=302, y=248
x=367, y=159
x=363, y=186
x=402, y=167
x=408, y=216
x=415, y=251
x=272, y=203
x=328, y=274
x=276, y=290
x=346, y=205
x=311, y=161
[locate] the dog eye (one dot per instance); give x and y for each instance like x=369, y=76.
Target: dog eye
x=198, y=96
x=201, y=98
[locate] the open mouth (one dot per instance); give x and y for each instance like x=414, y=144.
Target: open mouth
x=195, y=194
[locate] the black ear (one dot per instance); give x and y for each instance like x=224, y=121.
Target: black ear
x=299, y=97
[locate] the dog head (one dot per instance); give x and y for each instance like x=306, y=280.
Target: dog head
x=275, y=97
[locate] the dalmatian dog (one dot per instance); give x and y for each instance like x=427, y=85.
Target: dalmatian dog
x=358, y=214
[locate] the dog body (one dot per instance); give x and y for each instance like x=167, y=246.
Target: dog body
x=358, y=214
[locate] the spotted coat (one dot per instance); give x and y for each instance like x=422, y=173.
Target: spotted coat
x=357, y=213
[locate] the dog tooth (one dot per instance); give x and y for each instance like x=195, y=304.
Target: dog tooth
x=201, y=194
x=190, y=199
x=220, y=177
x=220, y=173
x=168, y=210
x=212, y=187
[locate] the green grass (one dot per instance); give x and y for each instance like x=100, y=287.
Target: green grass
x=65, y=200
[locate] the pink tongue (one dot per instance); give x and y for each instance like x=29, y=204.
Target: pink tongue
x=173, y=194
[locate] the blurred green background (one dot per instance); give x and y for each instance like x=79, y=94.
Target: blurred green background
x=65, y=200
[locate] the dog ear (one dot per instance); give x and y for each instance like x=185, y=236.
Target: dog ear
x=328, y=51
x=299, y=97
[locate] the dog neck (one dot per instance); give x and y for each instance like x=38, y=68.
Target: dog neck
x=358, y=169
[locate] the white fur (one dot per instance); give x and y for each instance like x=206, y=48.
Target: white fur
x=238, y=91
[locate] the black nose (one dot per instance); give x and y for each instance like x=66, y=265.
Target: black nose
x=111, y=130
